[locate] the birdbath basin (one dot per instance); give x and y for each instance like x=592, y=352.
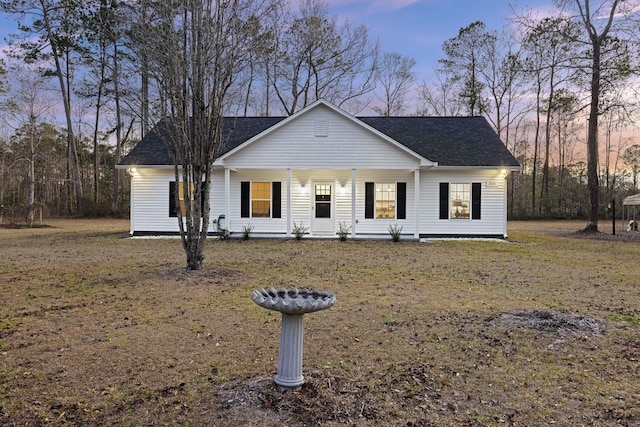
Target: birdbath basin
x=293, y=304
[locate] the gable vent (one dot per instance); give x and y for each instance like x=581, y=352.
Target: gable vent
x=322, y=128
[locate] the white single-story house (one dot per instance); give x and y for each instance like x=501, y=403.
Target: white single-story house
x=325, y=169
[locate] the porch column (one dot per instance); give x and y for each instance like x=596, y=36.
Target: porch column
x=132, y=204
x=416, y=202
x=227, y=198
x=505, y=202
x=353, y=203
x=288, y=215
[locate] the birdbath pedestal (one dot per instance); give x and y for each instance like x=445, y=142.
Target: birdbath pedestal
x=293, y=304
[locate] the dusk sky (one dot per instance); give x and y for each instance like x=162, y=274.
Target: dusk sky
x=417, y=28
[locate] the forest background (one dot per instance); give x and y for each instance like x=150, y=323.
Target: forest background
x=80, y=86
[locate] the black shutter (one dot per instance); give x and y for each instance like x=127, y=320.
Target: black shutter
x=369, y=199
x=276, y=200
x=172, y=199
x=245, y=194
x=401, y=196
x=476, y=190
x=444, y=200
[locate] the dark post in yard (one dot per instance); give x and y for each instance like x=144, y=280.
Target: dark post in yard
x=612, y=206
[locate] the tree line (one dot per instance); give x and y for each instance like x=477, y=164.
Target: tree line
x=85, y=80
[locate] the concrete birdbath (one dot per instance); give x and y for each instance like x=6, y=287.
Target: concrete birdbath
x=293, y=304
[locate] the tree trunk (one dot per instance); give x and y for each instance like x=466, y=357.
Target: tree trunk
x=116, y=86
x=536, y=140
x=593, y=185
x=144, y=81
x=31, y=176
x=95, y=136
x=67, y=112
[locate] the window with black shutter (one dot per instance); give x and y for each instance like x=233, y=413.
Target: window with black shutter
x=173, y=211
x=260, y=199
x=385, y=200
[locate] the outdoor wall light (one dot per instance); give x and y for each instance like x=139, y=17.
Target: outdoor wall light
x=133, y=171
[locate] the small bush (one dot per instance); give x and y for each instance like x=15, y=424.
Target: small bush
x=246, y=231
x=299, y=230
x=395, y=230
x=343, y=231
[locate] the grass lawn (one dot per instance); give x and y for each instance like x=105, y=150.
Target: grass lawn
x=100, y=329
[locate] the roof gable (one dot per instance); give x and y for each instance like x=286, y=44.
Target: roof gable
x=322, y=136
x=310, y=110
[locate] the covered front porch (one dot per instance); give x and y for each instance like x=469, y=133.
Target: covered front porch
x=364, y=201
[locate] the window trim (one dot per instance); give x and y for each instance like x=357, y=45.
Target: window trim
x=254, y=199
x=464, y=203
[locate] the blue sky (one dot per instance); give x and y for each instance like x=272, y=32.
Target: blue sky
x=417, y=28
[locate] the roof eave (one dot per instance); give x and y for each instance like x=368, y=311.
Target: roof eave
x=129, y=166
x=483, y=167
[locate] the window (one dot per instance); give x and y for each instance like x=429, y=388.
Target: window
x=260, y=199
x=385, y=200
x=323, y=200
x=460, y=201
x=173, y=212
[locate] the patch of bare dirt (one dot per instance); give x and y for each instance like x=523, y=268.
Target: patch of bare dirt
x=575, y=229
x=560, y=322
x=326, y=397
x=215, y=276
x=618, y=237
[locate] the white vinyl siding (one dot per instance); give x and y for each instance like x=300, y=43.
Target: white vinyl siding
x=260, y=225
x=380, y=226
x=150, y=199
x=492, y=221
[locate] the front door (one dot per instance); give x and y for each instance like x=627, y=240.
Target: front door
x=322, y=215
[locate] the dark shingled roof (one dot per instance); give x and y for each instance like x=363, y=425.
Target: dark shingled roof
x=152, y=150
x=449, y=141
